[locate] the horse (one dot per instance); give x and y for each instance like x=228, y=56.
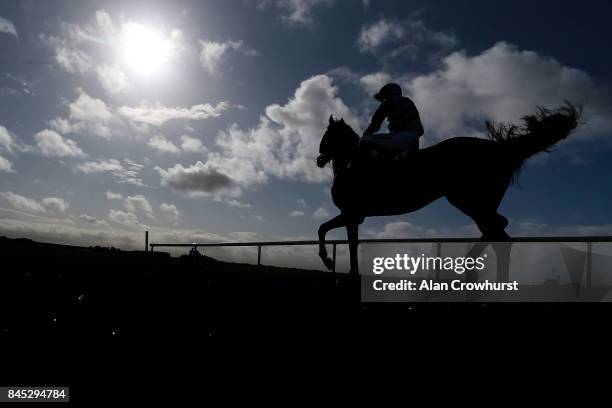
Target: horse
x=472, y=173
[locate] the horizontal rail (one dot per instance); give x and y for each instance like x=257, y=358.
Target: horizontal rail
x=605, y=238
x=584, y=239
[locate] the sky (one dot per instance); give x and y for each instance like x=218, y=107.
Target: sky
x=200, y=120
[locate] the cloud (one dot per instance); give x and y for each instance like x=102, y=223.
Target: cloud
x=301, y=202
x=296, y=12
x=93, y=220
x=6, y=165
x=100, y=166
x=188, y=145
x=236, y=203
x=55, y=204
x=374, y=35
x=285, y=143
x=296, y=213
x=191, y=144
x=157, y=114
x=87, y=115
x=502, y=83
x=371, y=83
x=159, y=142
x=113, y=196
x=171, y=213
x=25, y=87
x=198, y=180
x=139, y=203
x=403, y=229
x=23, y=203
x=126, y=219
x=212, y=54
x=127, y=172
x=52, y=144
x=320, y=214
x=8, y=27
x=9, y=144
x=113, y=79
x=391, y=38
x=91, y=48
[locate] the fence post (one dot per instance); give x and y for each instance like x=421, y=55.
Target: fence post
x=258, y=255
x=334, y=259
x=146, y=241
x=589, y=262
x=438, y=256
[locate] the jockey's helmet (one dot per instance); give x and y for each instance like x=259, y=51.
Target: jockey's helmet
x=387, y=91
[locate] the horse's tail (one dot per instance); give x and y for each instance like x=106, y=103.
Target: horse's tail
x=538, y=133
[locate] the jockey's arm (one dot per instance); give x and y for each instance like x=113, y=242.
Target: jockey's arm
x=377, y=120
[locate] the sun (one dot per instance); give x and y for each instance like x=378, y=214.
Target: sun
x=144, y=50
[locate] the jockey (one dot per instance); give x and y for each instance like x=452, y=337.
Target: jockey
x=404, y=126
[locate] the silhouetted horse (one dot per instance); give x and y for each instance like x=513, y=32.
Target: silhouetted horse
x=472, y=173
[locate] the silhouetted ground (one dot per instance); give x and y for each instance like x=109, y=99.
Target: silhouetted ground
x=65, y=307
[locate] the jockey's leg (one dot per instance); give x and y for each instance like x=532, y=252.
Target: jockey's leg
x=407, y=141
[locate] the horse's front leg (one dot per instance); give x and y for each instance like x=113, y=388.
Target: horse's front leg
x=335, y=222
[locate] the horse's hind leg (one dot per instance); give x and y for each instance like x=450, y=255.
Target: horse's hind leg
x=492, y=228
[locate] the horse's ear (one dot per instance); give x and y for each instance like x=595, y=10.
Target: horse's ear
x=341, y=120
x=331, y=119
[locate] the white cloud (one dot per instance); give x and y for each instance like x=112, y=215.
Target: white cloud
x=502, y=83
x=392, y=38
x=296, y=12
x=113, y=196
x=6, y=26
x=157, y=114
x=100, y=166
x=320, y=214
x=301, y=202
x=72, y=60
x=113, y=79
x=88, y=109
x=212, y=54
x=9, y=144
x=371, y=83
x=296, y=213
x=93, y=220
x=6, y=140
x=285, y=143
x=170, y=212
x=139, y=203
x=159, y=142
x=23, y=203
x=191, y=144
x=52, y=144
x=87, y=115
x=236, y=203
x=126, y=219
x=55, y=204
x=91, y=48
x=127, y=172
x=374, y=35
x=199, y=180
x=6, y=165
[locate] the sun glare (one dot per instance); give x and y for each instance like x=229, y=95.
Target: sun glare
x=145, y=50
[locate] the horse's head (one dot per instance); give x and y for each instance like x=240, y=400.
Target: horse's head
x=338, y=144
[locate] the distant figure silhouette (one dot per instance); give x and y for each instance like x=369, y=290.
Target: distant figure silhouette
x=404, y=124
x=472, y=173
